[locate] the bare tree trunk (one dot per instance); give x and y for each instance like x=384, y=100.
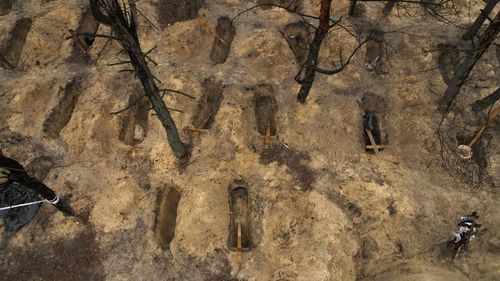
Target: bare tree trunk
x=480, y=20
x=466, y=67
x=126, y=32
x=314, y=48
x=487, y=101
x=352, y=6
x=388, y=7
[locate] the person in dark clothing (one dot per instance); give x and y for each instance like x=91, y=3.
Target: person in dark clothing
x=467, y=228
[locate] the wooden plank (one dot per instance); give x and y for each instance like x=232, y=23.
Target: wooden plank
x=238, y=245
x=372, y=141
x=78, y=41
x=267, y=138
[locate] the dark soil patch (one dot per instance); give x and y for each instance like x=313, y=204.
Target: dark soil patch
x=61, y=113
x=294, y=5
x=215, y=267
x=375, y=49
x=5, y=7
x=222, y=44
x=351, y=209
x=368, y=248
x=135, y=122
x=166, y=216
x=88, y=24
x=298, y=38
x=239, y=214
x=40, y=167
x=14, y=47
x=448, y=60
x=296, y=161
x=209, y=104
x=77, y=259
x=172, y=11
x=265, y=108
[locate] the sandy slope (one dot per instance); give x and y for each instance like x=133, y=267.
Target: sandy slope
x=362, y=218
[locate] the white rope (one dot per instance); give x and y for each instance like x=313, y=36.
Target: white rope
x=53, y=202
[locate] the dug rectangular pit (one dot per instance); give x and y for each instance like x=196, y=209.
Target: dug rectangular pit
x=135, y=122
x=298, y=38
x=166, y=216
x=239, y=221
x=372, y=134
x=374, y=51
x=265, y=108
x=81, y=43
x=222, y=43
x=5, y=7
x=374, y=108
x=61, y=113
x=13, y=49
x=172, y=11
x=40, y=167
x=208, y=104
x=448, y=60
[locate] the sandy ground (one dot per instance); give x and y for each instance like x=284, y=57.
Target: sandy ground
x=321, y=207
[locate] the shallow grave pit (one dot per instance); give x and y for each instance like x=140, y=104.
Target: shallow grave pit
x=61, y=113
x=222, y=43
x=208, y=104
x=298, y=38
x=166, y=216
x=239, y=215
x=374, y=52
x=13, y=49
x=448, y=59
x=135, y=126
x=82, y=43
x=265, y=109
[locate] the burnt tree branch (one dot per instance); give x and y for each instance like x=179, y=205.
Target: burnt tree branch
x=125, y=28
x=486, y=102
x=470, y=61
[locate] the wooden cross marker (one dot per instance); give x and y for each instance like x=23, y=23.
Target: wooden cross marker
x=373, y=145
x=195, y=132
x=238, y=245
x=78, y=41
x=267, y=137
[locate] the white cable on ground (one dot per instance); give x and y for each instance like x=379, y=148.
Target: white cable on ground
x=53, y=202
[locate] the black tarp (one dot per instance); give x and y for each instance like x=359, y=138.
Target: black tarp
x=12, y=193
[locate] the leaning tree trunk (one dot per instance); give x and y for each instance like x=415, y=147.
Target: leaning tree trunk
x=352, y=7
x=388, y=7
x=480, y=20
x=126, y=32
x=466, y=67
x=312, y=58
x=487, y=101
